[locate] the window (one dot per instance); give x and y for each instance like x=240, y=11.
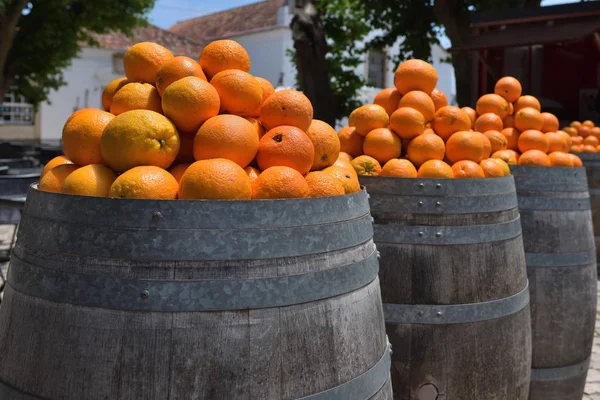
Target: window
x=376, y=68
x=117, y=62
x=14, y=110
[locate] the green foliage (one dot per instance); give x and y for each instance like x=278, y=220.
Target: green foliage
x=52, y=32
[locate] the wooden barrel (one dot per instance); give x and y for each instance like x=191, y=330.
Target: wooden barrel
x=144, y=299
x=561, y=267
x=591, y=162
x=454, y=287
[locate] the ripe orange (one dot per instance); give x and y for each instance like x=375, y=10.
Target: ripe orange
x=511, y=109
x=533, y=139
x=240, y=93
x=425, y=147
x=253, y=173
x=420, y=101
x=143, y=60
x=487, y=145
x=415, y=74
x=549, y=122
x=472, y=115
x=55, y=162
x=435, y=169
x=508, y=156
x=497, y=140
x=557, y=142
x=576, y=148
x=588, y=123
x=81, y=136
x=326, y=143
x=286, y=107
x=382, y=144
x=321, y=184
x=528, y=118
x=366, y=166
x=534, y=157
x=350, y=141
x=346, y=176
x=220, y=55
x=91, y=180
x=136, y=96
x=260, y=130
x=467, y=169
x=145, y=182
x=215, y=179
x=503, y=165
x=344, y=156
x=280, y=182
x=388, y=99
x=488, y=122
x=588, y=148
x=53, y=180
x=591, y=140
x=400, y=168
x=267, y=88
x=177, y=68
x=439, y=99
x=571, y=131
x=508, y=121
x=368, y=117
x=560, y=159
x=509, y=88
x=577, y=140
x=526, y=101
x=178, y=170
x=595, y=131
x=186, y=150
x=584, y=131
x=512, y=138
x=226, y=136
x=407, y=123
x=576, y=161
x=491, y=169
x=286, y=146
x=189, y=102
x=110, y=90
x=139, y=137
x=465, y=145
x=568, y=139
x=492, y=103
x=448, y=120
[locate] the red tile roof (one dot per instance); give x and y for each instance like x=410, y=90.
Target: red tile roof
x=230, y=22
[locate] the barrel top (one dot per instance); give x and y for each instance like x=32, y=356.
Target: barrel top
x=553, y=179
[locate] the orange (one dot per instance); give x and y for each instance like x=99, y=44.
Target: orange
x=368, y=117
x=557, y=142
x=532, y=139
x=53, y=180
x=420, y=101
x=253, y=173
x=136, y=96
x=55, y=162
x=174, y=70
x=465, y=145
x=491, y=169
x=267, y=88
x=591, y=140
x=472, y=115
x=143, y=60
x=560, y=159
x=576, y=161
x=350, y=141
x=220, y=55
x=439, y=99
x=110, y=90
x=425, y=147
x=511, y=109
x=534, y=157
x=260, y=130
x=326, y=143
x=549, y=122
x=448, y=120
x=215, y=179
x=240, y=93
x=487, y=145
x=526, y=101
x=488, y=122
x=186, y=150
x=467, y=169
x=568, y=139
x=497, y=140
x=399, y=168
x=189, y=102
x=388, y=99
x=366, y=166
x=407, y=123
x=415, y=74
x=509, y=88
x=584, y=131
x=81, y=136
x=280, y=183
x=528, y=118
x=346, y=176
x=435, y=169
x=588, y=123
x=145, y=182
x=508, y=121
x=575, y=124
x=577, y=140
x=512, y=138
x=321, y=184
x=286, y=146
x=91, y=180
x=595, y=131
x=576, y=148
x=226, y=136
x=492, y=103
x=382, y=144
x=139, y=137
x=178, y=170
x=344, y=164
x=503, y=165
x=286, y=107
x=344, y=156
x=588, y=148
x=571, y=131
x=508, y=156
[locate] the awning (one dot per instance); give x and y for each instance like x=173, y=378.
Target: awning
x=533, y=33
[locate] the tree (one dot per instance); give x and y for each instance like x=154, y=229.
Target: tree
x=39, y=38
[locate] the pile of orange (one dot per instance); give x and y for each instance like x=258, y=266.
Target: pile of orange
x=585, y=137
x=411, y=131
x=177, y=128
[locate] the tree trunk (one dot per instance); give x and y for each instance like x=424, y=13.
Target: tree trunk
x=9, y=18
x=313, y=74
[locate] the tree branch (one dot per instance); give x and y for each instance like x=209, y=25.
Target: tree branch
x=8, y=30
